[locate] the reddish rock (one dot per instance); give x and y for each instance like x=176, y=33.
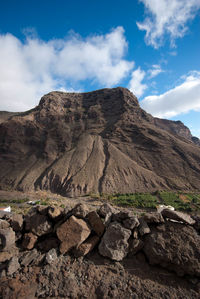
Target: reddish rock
x=29, y=241
x=5, y=256
x=72, y=233
x=86, y=246
x=96, y=223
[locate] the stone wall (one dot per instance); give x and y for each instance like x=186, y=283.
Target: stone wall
x=169, y=239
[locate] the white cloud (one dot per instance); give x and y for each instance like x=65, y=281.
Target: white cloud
x=135, y=84
x=167, y=17
x=35, y=67
x=181, y=99
x=155, y=71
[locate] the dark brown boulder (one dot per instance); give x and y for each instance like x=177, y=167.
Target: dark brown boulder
x=72, y=233
x=174, y=246
x=37, y=224
x=96, y=223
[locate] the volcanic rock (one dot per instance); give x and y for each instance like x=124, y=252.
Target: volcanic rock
x=96, y=223
x=153, y=217
x=29, y=241
x=106, y=209
x=131, y=222
x=7, y=239
x=29, y=257
x=38, y=224
x=143, y=227
x=80, y=210
x=114, y=243
x=4, y=224
x=13, y=265
x=86, y=246
x=72, y=233
x=17, y=222
x=51, y=256
x=100, y=142
x=54, y=212
x=48, y=244
x=178, y=216
x=175, y=247
x=135, y=246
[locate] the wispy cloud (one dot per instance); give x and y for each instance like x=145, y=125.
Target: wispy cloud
x=135, y=84
x=32, y=68
x=155, y=71
x=181, y=99
x=167, y=17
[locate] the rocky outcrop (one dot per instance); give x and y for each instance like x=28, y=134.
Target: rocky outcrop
x=100, y=142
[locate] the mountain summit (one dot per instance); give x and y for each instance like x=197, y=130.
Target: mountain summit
x=100, y=141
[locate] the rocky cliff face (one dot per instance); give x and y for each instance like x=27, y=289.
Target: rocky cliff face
x=100, y=141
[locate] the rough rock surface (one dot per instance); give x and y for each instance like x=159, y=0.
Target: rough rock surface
x=86, y=272
x=80, y=210
x=54, y=212
x=29, y=241
x=175, y=247
x=72, y=233
x=153, y=217
x=4, y=224
x=100, y=142
x=7, y=239
x=13, y=265
x=178, y=216
x=17, y=222
x=38, y=224
x=86, y=246
x=114, y=243
x=135, y=246
x=96, y=223
x=143, y=227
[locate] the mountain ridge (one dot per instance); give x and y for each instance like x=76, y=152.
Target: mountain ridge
x=100, y=141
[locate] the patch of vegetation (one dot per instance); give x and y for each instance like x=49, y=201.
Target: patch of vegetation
x=180, y=201
x=137, y=200
x=17, y=201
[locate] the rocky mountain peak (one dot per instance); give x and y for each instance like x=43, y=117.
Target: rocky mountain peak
x=100, y=141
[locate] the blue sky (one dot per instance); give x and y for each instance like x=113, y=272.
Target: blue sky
x=151, y=47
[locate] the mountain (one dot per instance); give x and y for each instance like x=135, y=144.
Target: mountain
x=101, y=141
